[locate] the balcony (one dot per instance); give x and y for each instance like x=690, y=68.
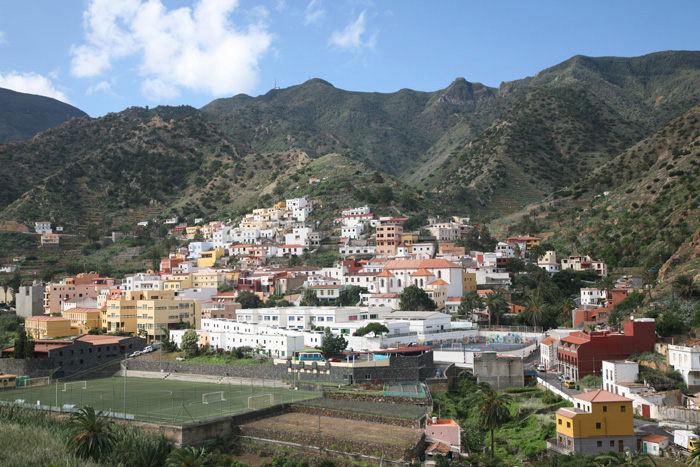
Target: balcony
x=553, y=445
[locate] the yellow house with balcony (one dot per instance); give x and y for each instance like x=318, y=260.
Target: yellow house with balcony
x=191, y=232
x=178, y=282
x=40, y=327
x=84, y=319
x=148, y=313
x=120, y=314
x=207, y=278
x=599, y=422
x=159, y=310
x=208, y=258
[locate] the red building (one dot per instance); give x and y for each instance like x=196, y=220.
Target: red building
x=595, y=315
x=582, y=353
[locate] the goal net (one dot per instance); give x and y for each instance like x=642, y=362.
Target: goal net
x=261, y=401
x=210, y=397
x=42, y=381
x=74, y=385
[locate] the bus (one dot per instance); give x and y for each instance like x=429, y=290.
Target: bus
x=309, y=356
x=8, y=381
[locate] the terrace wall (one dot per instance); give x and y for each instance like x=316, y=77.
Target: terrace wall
x=363, y=417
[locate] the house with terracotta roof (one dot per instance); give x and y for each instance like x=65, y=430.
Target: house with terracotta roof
x=599, y=422
x=444, y=431
x=655, y=445
x=84, y=319
x=548, y=353
x=399, y=274
x=291, y=250
x=42, y=327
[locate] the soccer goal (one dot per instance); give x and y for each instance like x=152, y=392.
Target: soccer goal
x=42, y=381
x=261, y=401
x=210, y=397
x=74, y=385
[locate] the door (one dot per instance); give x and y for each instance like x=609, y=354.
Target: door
x=620, y=446
x=646, y=412
x=645, y=448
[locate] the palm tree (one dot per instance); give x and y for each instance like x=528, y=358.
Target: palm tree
x=188, y=457
x=638, y=459
x=92, y=434
x=685, y=286
x=537, y=310
x=497, y=305
x=694, y=458
x=649, y=281
x=493, y=408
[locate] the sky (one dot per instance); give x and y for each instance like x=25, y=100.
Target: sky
x=107, y=55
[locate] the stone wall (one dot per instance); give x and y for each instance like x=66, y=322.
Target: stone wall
x=241, y=371
x=33, y=367
x=365, y=397
x=324, y=412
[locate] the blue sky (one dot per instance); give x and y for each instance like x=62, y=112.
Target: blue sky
x=106, y=55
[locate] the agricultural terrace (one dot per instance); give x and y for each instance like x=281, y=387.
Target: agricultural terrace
x=383, y=409
x=154, y=400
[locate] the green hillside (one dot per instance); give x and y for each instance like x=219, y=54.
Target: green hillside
x=24, y=115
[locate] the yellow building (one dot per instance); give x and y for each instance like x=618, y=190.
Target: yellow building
x=599, y=421
x=409, y=240
x=191, y=232
x=148, y=313
x=469, y=282
x=40, y=327
x=208, y=258
x=281, y=205
x=207, y=278
x=84, y=319
x=178, y=282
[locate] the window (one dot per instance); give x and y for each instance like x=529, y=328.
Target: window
x=560, y=421
x=623, y=408
x=605, y=408
x=597, y=426
x=568, y=424
x=612, y=443
x=599, y=444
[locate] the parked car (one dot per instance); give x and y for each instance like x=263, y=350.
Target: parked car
x=147, y=349
x=570, y=383
x=334, y=360
x=561, y=377
x=541, y=367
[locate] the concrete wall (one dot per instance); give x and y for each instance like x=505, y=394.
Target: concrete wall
x=30, y=301
x=499, y=372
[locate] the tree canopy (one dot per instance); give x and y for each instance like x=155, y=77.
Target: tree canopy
x=249, y=300
x=376, y=328
x=413, y=298
x=333, y=345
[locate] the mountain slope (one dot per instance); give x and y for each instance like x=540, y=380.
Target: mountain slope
x=385, y=131
x=561, y=124
x=24, y=115
x=641, y=209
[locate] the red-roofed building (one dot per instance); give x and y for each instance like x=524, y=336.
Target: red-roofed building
x=444, y=431
x=599, y=422
x=655, y=445
x=582, y=353
x=291, y=250
x=421, y=272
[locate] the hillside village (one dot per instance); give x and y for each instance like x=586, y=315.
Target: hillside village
x=398, y=306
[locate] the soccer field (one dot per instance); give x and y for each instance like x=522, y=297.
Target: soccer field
x=157, y=400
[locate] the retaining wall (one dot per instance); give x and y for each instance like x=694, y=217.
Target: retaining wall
x=364, y=397
x=363, y=417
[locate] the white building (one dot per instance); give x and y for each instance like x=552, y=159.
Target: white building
x=362, y=210
x=142, y=282
x=446, y=232
x=687, y=361
x=195, y=249
x=291, y=250
x=298, y=236
x=620, y=377
x=352, y=231
x=549, y=263
x=357, y=250
x=505, y=249
x=43, y=227
x=220, y=238
x=592, y=296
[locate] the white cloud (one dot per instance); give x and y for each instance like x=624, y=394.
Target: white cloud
x=198, y=49
x=314, y=12
x=31, y=83
x=351, y=38
x=2, y=38
x=102, y=86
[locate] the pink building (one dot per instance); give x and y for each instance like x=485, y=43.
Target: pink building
x=444, y=431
